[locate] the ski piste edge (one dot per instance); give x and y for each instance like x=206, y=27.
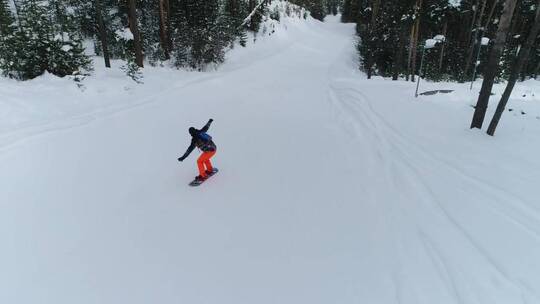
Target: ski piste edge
x=196, y=183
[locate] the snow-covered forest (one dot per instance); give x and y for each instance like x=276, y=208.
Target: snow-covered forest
x=349, y=137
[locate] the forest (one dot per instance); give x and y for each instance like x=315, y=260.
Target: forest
x=439, y=40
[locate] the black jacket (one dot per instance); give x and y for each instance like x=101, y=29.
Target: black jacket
x=198, y=142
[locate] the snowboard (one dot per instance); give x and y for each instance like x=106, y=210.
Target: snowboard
x=196, y=183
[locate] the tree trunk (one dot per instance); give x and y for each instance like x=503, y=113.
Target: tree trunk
x=493, y=64
x=169, y=27
x=163, y=17
x=476, y=38
x=252, y=8
x=416, y=35
x=398, y=55
x=102, y=35
x=516, y=69
x=415, y=49
x=371, y=26
x=537, y=71
x=490, y=16
x=134, y=28
x=441, y=58
x=473, y=21
x=411, y=45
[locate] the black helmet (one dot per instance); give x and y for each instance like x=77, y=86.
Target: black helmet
x=192, y=131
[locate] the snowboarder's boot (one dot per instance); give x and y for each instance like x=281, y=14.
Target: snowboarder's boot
x=199, y=179
x=210, y=173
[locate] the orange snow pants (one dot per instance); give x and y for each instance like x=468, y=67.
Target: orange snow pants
x=204, y=161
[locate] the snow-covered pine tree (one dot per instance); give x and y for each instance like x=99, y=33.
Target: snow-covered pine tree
x=6, y=19
x=44, y=45
x=201, y=32
x=318, y=8
x=401, y=30
x=66, y=53
x=8, y=39
x=47, y=40
x=201, y=16
x=114, y=19
x=180, y=38
x=236, y=11
x=332, y=6
x=149, y=20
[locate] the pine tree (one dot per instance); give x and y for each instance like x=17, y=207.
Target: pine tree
x=236, y=11
x=48, y=40
x=317, y=8
x=350, y=11
x=8, y=41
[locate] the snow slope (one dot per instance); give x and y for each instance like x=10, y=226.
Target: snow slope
x=332, y=189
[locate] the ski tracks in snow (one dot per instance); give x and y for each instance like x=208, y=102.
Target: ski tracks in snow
x=412, y=178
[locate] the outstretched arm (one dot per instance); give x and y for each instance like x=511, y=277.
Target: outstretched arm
x=188, y=151
x=207, y=126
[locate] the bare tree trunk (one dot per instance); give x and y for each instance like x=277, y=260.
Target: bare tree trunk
x=441, y=58
x=476, y=38
x=134, y=27
x=398, y=55
x=102, y=35
x=415, y=49
x=163, y=17
x=252, y=8
x=490, y=16
x=516, y=69
x=169, y=36
x=416, y=35
x=371, y=26
x=411, y=46
x=493, y=64
x=537, y=70
x=473, y=21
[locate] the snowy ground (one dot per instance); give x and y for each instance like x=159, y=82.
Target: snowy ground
x=332, y=189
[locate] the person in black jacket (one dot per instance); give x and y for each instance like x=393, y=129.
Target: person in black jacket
x=203, y=141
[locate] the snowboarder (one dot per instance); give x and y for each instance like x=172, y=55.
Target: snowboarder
x=204, y=142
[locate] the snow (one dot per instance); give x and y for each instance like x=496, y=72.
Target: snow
x=440, y=38
x=431, y=43
x=332, y=188
x=454, y=3
x=67, y=47
x=125, y=34
x=485, y=41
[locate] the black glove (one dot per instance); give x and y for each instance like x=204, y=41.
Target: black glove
x=211, y=120
x=180, y=159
